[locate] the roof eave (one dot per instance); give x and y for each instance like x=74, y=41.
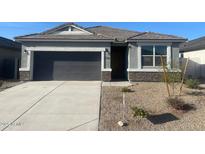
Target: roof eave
x=192, y=49
x=158, y=40
x=61, y=40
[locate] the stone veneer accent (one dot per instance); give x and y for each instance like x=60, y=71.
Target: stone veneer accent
x=146, y=76
x=24, y=75
x=106, y=76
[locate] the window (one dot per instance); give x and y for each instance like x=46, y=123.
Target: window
x=151, y=55
x=160, y=51
x=147, y=55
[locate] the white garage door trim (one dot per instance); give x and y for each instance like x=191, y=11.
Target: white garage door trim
x=66, y=49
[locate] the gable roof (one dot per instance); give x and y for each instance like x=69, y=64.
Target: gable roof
x=98, y=33
x=7, y=43
x=195, y=44
x=63, y=26
x=48, y=35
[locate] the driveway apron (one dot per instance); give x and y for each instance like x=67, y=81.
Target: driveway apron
x=51, y=105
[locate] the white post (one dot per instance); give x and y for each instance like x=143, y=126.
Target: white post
x=139, y=57
x=154, y=55
x=31, y=64
x=102, y=60
x=28, y=59
x=128, y=58
x=169, y=57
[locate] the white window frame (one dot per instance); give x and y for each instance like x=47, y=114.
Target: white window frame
x=153, y=63
x=168, y=55
x=103, y=59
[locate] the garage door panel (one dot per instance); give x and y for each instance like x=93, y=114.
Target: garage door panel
x=67, y=66
x=75, y=71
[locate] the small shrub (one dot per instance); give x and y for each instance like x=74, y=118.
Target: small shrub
x=192, y=83
x=126, y=89
x=175, y=102
x=138, y=112
x=179, y=104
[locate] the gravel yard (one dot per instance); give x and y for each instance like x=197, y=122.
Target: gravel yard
x=5, y=84
x=151, y=97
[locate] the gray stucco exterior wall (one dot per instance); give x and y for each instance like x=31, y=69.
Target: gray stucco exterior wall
x=133, y=55
x=68, y=46
x=23, y=57
x=138, y=74
x=64, y=44
x=106, y=74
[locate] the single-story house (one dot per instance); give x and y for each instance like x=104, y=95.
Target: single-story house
x=72, y=52
x=195, y=51
x=10, y=55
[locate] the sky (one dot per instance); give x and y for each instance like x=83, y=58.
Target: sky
x=189, y=30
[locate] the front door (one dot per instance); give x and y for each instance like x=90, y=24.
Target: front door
x=118, y=62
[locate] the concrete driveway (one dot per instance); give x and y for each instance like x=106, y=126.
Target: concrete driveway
x=51, y=105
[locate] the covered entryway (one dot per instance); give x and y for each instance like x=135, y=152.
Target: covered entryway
x=119, y=62
x=67, y=65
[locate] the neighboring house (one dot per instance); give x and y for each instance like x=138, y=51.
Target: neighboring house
x=195, y=51
x=71, y=52
x=10, y=55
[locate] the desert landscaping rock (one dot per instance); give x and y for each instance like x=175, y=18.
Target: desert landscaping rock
x=150, y=96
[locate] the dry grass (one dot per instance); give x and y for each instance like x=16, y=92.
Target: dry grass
x=150, y=96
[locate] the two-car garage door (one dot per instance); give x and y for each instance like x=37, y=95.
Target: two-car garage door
x=67, y=65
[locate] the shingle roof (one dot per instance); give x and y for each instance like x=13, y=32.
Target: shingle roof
x=113, y=33
x=155, y=36
x=47, y=35
x=195, y=44
x=100, y=33
x=63, y=37
x=6, y=43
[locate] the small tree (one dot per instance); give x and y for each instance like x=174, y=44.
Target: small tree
x=173, y=77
